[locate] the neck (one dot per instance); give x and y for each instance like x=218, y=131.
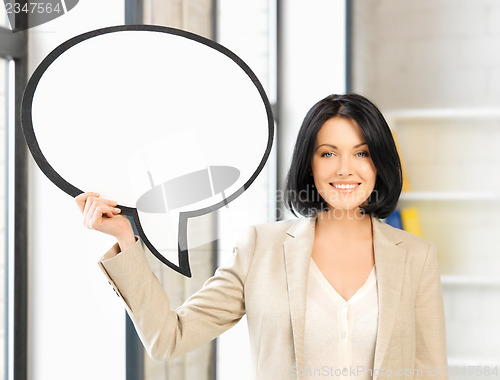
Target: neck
x=344, y=222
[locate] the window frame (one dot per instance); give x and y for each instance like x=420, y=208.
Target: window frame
x=13, y=46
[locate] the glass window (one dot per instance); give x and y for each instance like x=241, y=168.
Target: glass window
x=13, y=195
x=4, y=21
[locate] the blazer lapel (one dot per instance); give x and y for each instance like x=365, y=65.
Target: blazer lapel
x=389, y=261
x=297, y=250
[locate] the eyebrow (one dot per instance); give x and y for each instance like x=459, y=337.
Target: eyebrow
x=334, y=147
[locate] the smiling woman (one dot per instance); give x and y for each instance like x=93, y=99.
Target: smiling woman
x=367, y=144
x=344, y=174
x=336, y=290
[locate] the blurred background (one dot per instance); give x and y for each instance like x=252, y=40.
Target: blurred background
x=432, y=67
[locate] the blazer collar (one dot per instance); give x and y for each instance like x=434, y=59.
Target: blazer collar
x=389, y=260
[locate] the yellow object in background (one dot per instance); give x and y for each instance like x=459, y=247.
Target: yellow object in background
x=411, y=221
x=406, y=181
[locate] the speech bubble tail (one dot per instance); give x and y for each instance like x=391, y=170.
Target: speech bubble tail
x=183, y=243
x=184, y=267
x=183, y=257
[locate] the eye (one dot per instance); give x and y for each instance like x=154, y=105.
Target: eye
x=327, y=154
x=363, y=154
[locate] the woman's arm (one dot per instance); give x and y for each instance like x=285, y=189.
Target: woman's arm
x=167, y=333
x=430, y=320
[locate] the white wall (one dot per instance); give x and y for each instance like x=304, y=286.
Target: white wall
x=76, y=323
x=312, y=64
x=427, y=53
x=444, y=54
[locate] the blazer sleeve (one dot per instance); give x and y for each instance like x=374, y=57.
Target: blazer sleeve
x=431, y=354
x=167, y=333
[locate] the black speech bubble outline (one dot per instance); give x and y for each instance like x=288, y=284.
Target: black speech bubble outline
x=48, y=170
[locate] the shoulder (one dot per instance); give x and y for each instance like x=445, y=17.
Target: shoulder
x=404, y=239
x=398, y=235
x=279, y=227
x=284, y=228
x=273, y=232
x=417, y=252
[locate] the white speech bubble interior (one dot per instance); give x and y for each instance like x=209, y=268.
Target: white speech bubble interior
x=110, y=95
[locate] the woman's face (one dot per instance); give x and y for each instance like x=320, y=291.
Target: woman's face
x=343, y=171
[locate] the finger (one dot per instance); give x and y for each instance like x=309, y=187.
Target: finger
x=106, y=210
x=98, y=215
x=95, y=215
x=95, y=211
x=95, y=220
x=82, y=198
x=111, y=211
x=90, y=202
x=88, y=213
x=96, y=200
x=90, y=209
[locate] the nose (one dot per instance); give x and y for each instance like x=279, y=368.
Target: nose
x=344, y=167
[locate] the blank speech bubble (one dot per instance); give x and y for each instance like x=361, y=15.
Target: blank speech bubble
x=169, y=124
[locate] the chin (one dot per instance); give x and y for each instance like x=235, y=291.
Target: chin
x=342, y=210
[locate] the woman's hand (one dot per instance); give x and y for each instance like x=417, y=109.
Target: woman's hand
x=102, y=215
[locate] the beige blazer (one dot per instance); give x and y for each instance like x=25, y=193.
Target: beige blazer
x=267, y=279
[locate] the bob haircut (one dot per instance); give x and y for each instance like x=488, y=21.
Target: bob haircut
x=300, y=194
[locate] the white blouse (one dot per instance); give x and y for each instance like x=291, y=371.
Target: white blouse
x=340, y=335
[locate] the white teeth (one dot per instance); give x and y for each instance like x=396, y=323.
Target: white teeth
x=338, y=186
